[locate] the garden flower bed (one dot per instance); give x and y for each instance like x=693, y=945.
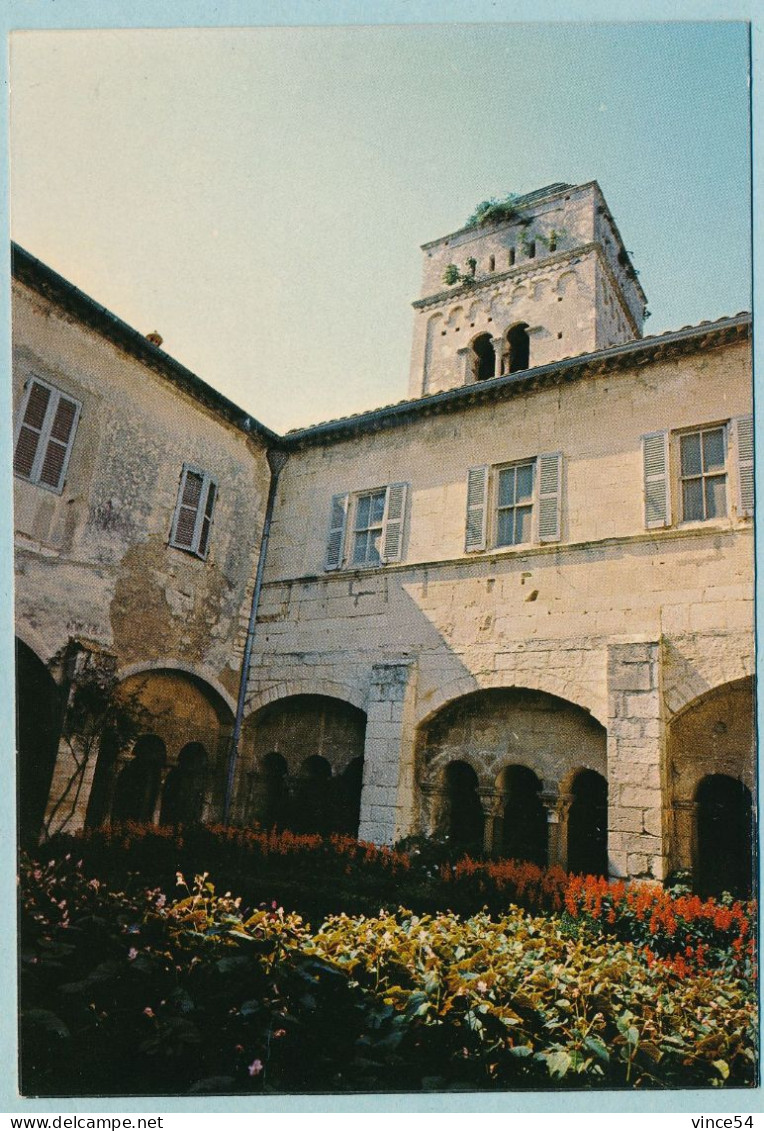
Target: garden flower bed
x=178, y=991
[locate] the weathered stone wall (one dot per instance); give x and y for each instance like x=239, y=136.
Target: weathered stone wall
x=93, y=562
x=575, y=619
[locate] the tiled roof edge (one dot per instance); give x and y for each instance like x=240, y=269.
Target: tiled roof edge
x=639, y=352
x=48, y=283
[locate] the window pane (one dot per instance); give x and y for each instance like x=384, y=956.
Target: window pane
x=375, y=539
x=692, y=500
x=713, y=450
x=523, y=524
x=690, y=454
x=716, y=496
x=377, y=508
x=524, y=482
x=507, y=487
x=362, y=513
x=505, y=530
x=359, y=552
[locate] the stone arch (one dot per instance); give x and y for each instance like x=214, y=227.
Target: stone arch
x=546, y=680
x=567, y=281
x=39, y=709
x=711, y=739
x=306, y=731
x=724, y=848
x=587, y=822
x=482, y=357
x=139, y=781
x=353, y=694
x=460, y=815
x=182, y=709
x=518, y=345
x=522, y=834
x=693, y=669
x=184, y=787
x=198, y=672
x=455, y=316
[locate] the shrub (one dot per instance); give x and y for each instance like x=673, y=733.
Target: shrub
x=129, y=994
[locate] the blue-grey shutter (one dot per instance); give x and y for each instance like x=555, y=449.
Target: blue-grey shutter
x=549, y=495
x=392, y=530
x=656, y=481
x=336, y=540
x=477, y=503
x=745, y=479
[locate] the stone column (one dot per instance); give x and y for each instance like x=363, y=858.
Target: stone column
x=464, y=364
x=557, y=807
x=164, y=771
x=434, y=800
x=492, y=802
x=685, y=817
x=498, y=348
x=635, y=746
x=388, y=791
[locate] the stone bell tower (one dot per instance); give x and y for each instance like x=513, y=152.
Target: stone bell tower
x=532, y=280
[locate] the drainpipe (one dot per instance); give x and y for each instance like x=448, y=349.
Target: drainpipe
x=276, y=462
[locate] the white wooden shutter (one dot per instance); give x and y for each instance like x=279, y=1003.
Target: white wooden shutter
x=549, y=494
x=336, y=540
x=392, y=524
x=477, y=505
x=656, y=481
x=745, y=479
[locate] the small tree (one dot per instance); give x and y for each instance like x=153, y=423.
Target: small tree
x=96, y=709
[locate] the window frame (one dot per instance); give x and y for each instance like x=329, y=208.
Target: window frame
x=356, y=500
x=44, y=434
x=679, y=479
x=496, y=474
x=209, y=485
x=482, y=499
x=342, y=529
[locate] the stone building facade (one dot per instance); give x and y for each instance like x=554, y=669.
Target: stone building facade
x=514, y=610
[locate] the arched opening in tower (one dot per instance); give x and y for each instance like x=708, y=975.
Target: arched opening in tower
x=518, y=355
x=483, y=358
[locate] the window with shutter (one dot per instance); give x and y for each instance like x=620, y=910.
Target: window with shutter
x=655, y=465
x=45, y=435
x=192, y=520
x=745, y=477
x=377, y=523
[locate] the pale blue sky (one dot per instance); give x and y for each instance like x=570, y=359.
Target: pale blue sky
x=259, y=195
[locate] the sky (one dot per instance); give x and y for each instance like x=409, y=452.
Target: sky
x=259, y=195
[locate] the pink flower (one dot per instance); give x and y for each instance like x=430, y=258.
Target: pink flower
x=255, y=1068
x=279, y=1033
x=132, y=953
x=149, y=1012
